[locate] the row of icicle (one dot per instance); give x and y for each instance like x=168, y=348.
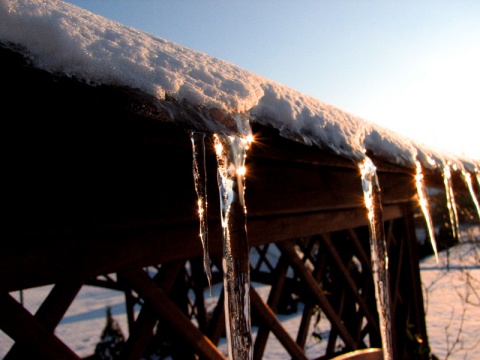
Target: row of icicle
x=231, y=155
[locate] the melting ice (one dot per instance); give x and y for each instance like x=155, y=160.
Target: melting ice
x=231, y=154
x=378, y=249
x=451, y=204
x=200, y=179
x=423, y=199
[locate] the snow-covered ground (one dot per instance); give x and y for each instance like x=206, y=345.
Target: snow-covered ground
x=452, y=300
x=452, y=303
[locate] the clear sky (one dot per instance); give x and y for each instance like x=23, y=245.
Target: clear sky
x=411, y=66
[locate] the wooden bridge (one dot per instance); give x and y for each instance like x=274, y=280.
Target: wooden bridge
x=98, y=189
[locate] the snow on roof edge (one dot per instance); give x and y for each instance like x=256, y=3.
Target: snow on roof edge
x=63, y=38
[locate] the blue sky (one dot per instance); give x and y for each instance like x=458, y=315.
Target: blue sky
x=411, y=66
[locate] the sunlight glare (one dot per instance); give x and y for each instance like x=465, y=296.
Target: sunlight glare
x=242, y=170
x=218, y=146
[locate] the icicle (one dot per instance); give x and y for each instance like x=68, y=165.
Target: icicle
x=231, y=154
x=451, y=204
x=200, y=179
x=378, y=248
x=468, y=180
x=423, y=199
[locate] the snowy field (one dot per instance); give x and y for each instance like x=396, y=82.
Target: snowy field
x=452, y=299
x=451, y=294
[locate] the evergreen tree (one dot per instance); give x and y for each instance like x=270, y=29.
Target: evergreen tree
x=111, y=341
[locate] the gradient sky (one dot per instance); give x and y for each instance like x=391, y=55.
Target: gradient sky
x=411, y=66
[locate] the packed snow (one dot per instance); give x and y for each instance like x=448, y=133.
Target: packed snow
x=62, y=38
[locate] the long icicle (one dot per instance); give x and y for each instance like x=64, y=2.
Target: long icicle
x=468, y=180
x=378, y=249
x=451, y=204
x=231, y=154
x=200, y=179
x=423, y=200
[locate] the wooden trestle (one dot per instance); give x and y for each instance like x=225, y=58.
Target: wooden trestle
x=98, y=189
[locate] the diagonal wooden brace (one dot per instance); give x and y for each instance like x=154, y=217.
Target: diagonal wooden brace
x=167, y=310
x=287, y=248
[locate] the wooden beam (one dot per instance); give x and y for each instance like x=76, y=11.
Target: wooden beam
x=309, y=305
x=167, y=310
x=22, y=327
x=274, y=324
x=287, y=248
x=108, y=250
x=142, y=330
x=280, y=274
x=293, y=226
x=50, y=313
x=320, y=188
x=350, y=282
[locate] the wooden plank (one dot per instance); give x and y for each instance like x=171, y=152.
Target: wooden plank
x=107, y=251
x=22, y=327
x=320, y=189
x=288, y=249
x=50, y=313
x=276, y=327
x=288, y=227
x=269, y=144
x=167, y=310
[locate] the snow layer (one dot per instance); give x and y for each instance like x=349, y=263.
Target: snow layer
x=62, y=38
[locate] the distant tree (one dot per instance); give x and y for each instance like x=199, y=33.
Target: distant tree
x=111, y=341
